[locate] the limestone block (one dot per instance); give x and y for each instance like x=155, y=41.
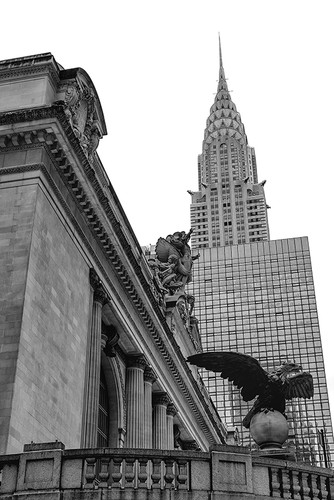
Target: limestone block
x=261, y=480
x=29, y=93
x=232, y=472
x=200, y=475
x=71, y=474
x=39, y=470
x=9, y=477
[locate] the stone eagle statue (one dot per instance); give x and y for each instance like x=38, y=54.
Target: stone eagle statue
x=273, y=389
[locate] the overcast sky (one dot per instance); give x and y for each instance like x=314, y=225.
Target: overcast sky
x=155, y=67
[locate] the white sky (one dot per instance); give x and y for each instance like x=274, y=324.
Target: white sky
x=155, y=66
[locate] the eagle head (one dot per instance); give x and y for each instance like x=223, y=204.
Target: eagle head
x=288, y=370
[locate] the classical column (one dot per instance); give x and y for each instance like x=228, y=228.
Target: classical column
x=100, y=297
x=149, y=378
x=171, y=412
x=160, y=402
x=135, y=401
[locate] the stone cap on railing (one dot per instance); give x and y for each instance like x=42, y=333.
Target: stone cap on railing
x=48, y=471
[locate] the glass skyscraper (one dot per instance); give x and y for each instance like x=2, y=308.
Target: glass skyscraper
x=253, y=295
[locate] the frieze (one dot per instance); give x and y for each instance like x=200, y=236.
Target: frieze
x=29, y=70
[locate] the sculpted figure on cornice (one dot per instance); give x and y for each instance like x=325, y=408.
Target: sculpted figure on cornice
x=79, y=107
x=173, y=263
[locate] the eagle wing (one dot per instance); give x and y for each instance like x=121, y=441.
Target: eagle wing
x=299, y=386
x=242, y=370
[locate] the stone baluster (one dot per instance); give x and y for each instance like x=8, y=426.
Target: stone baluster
x=182, y=476
x=129, y=472
x=103, y=475
x=142, y=473
x=90, y=474
x=171, y=412
x=90, y=423
x=149, y=378
x=323, y=493
x=305, y=485
x=275, y=482
x=296, y=489
x=116, y=475
x=285, y=483
x=135, y=401
x=160, y=402
x=169, y=474
x=156, y=473
x=314, y=486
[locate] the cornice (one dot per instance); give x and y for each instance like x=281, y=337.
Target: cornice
x=49, y=140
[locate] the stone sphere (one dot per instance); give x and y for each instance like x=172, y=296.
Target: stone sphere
x=269, y=429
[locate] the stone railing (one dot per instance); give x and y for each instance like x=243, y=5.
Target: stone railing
x=49, y=471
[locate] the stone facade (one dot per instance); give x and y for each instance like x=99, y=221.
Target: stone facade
x=78, y=301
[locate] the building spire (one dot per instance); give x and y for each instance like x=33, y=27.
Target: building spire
x=222, y=84
x=220, y=53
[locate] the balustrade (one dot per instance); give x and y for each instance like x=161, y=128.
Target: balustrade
x=295, y=481
x=188, y=472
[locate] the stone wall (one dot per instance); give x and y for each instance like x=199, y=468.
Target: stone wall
x=48, y=397
x=49, y=471
x=17, y=208
x=44, y=322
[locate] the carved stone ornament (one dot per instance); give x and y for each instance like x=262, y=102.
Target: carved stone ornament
x=150, y=375
x=100, y=294
x=171, y=410
x=137, y=361
x=160, y=398
x=79, y=107
x=172, y=267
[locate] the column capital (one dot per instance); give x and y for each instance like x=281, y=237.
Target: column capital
x=100, y=293
x=160, y=398
x=109, y=339
x=150, y=375
x=171, y=410
x=136, y=361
